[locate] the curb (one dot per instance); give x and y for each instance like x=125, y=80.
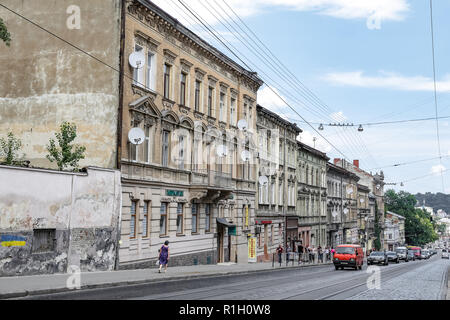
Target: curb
x=27, y=293
x=447, y=293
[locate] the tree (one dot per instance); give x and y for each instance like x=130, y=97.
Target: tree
x=9, y=150
x=66, y=155
x=4, y=34
x=377, y=229
x=419, y=229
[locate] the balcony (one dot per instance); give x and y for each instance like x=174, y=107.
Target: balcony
x=210, y=179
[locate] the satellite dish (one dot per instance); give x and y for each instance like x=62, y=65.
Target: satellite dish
x=361, y=200
x=137, y=60
x=263, y=180
x=345, y=211
x=245, y=155
x=334, y=213
x=136, y=136
x=242, y=124
x=349, y=190
x=221, y=150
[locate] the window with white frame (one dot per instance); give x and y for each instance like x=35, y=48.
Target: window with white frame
x=145, y=220
x=181, y=152
x=163, y=219
x=222, y=106
x=166, y=80
x=138, y=74
x=150, y=72
x=210, y=101
x=165, y=148
x=197, y=96
x=180, y=218
x=183, y=86
x=194, y=217
x=233, y=111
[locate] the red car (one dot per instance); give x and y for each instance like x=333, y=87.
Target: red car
x=348, y=256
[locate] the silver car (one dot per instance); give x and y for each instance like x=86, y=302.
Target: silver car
x=444, y=254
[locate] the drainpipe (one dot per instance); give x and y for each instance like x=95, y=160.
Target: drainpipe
x=119, y=124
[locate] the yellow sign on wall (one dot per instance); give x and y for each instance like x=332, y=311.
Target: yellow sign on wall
x=252, y=249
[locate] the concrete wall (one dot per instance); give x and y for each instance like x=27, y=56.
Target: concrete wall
x=45, y=81
x=82, y=209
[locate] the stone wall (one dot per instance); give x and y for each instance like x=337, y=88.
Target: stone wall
x=52, y=220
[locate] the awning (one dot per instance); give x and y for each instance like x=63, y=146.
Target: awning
x=225, y=222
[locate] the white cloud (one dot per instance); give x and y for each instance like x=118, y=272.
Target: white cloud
x=436, y=170
x=338, y=116
x=387, y=80
x=307, y=138
x=375, y=11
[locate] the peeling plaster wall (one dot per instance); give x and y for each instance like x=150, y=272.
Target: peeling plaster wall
x=45, y=81
x=84, y=209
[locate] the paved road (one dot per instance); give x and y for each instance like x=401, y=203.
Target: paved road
x=412, y=280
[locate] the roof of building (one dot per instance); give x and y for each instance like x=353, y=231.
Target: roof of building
x=188, y=33
x=276, y=117
x=313, y=151
x=343, y=171
x=397, y=215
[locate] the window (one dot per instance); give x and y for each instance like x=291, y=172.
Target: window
x=181, y=152
x=183, y=89
x=194, y=218
x=180, y=218
x=233, y=111
x=138, y=74
x=145, y=220
x=43, y=240
x=133, y=220
x=165, y=148
x=222, y=106
x=163, y=219
x=167, y=81
x=147, y=145
x=198, y=85
x=273, y=193
x=208, y=218
x=149, y=81
x=210, y=101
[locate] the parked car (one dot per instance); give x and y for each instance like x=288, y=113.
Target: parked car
x=402, y=253
x=424, y=254
x=411, y=255
x=392, y=256
x=378, y=257
x=444, y=254
x=348, y=256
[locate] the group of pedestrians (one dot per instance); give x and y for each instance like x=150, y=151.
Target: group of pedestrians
x=307, y=254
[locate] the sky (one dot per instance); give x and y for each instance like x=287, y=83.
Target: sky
x=346, y=61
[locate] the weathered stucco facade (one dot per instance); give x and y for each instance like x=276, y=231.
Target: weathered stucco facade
x=51, y=220
x=45, y=81
x=186, y=98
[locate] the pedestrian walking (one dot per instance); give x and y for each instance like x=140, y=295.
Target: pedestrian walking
x=320, y=254
x=164, y=256
x=279, y=252
x=300, y=252
x=327, y=254
x=310, y=254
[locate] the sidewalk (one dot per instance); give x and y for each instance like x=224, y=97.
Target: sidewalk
x=14, y=287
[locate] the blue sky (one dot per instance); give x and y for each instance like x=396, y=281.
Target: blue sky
x=366, y=60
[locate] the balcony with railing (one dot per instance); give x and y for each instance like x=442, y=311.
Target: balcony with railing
x=211, y=179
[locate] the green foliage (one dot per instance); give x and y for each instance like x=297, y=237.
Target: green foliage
x=66, y=155
x=9, y=150
x=419, y=229
x=377, y=229
x=4, y=34
x=436, y=201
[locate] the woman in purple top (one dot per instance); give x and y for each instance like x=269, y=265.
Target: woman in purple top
x=164, y=256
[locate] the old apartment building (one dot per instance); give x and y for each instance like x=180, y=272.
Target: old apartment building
x=342, y=206
x=187, y=183
x=275, y=212
x=312, y=195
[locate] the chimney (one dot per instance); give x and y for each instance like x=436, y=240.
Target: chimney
x=336, y=160
x=356, y=163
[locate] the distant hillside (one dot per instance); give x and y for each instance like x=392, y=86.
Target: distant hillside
x=436, y=201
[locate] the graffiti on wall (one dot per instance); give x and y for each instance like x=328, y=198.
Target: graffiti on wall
x=12, y=241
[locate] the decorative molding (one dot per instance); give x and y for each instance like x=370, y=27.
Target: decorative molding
x=145, y=40
x=199, y=74
x=212, y=80
x=169, y=57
